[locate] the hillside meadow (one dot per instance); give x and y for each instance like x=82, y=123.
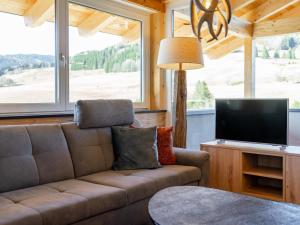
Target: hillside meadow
x=275, y=78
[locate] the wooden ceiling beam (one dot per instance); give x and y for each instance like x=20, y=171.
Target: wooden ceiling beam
x=155, y=5
x=184, y=31
x=292, y=11
x=39, y=12
x=238, y=4
x=94, y=23
x=240, y=27
x=277, y=27
x=228, y=46
x=267, y=9
x=207, y=46
x=15, y=7
x=132, y=35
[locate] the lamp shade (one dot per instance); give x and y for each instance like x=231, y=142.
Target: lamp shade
x=180, y=53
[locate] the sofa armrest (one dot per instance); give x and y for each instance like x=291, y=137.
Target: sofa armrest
x=195, y=158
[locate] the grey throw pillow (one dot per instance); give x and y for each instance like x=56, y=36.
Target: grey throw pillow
x=135, y=148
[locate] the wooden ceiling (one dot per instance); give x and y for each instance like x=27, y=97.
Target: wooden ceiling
x=251, y=18
x=88, y=21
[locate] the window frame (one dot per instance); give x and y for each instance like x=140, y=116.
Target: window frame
x=32, y=108
x=62, y=104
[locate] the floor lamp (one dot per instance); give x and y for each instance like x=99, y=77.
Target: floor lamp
x=180, y=54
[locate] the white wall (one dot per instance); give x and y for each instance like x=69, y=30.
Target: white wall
x=201, y=128
x=294, y=132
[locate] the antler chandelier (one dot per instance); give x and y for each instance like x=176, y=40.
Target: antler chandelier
x=216, y=13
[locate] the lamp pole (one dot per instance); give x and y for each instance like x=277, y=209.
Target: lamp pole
x=180, y=95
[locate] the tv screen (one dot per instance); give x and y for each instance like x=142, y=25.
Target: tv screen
x=252, y=120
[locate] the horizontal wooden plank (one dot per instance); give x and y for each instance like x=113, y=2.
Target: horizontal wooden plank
x=269, y=172
x=146, y=118
x=277, y=27
x=151, y=119
x=36, y=120
x=267, y=9
x=227, y=46
x=155, y=5
x=40, y=12
x=238, y=4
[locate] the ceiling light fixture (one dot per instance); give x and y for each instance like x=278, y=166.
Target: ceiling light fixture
x=216, y=13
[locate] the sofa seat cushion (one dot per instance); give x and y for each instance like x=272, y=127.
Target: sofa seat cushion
x=143, y=183
x=187, y=174
x=171, y=175
x=55, y=208
x=16, y=214
x=136, y=187
x=99, y=198
x=69, y=201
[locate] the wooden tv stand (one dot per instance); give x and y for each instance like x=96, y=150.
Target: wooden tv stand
x=259, y=170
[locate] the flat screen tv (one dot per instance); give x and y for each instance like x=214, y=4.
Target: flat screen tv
x=252, y=120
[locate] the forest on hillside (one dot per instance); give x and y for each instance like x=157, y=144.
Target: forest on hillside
x=19, y=62
x=120, y=58
x=285, y=48
x=114, y=59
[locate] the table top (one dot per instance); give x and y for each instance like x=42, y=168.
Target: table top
x=190, y=205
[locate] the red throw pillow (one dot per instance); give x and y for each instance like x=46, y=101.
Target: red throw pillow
x=166, y=154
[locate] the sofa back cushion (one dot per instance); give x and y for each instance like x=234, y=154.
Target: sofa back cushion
x=18, y=168
x=51, y=153
x=91, y=149
x=103, y=113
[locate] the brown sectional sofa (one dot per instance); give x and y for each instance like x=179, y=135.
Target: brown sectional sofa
x=61, y=174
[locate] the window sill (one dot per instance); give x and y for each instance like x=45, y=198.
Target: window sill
x=294, y=110
x=150, y=111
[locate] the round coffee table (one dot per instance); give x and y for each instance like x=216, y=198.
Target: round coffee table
x=188, y=205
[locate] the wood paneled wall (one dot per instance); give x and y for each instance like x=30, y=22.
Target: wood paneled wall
x=152, y=119
x=146, y=118
x=36, y=120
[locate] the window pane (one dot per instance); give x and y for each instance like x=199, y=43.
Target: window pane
x=105, y=55
x=278, y=68
x=27, y=54
x=221, y=76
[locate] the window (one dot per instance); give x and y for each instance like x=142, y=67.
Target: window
x=50, y=59
x=27, y=60
x=278, y=68
x=221, y=77
x=105, y=56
